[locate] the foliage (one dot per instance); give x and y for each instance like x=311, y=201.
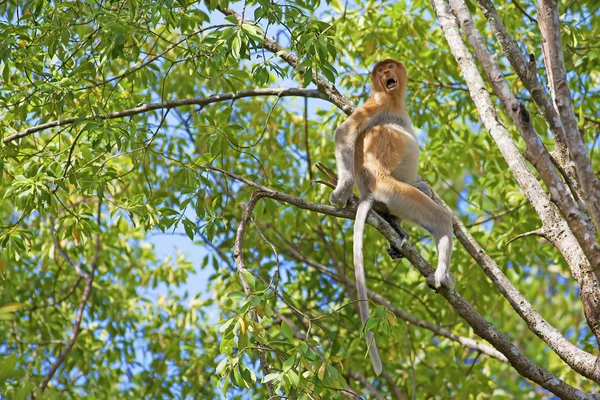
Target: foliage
x=146, y=174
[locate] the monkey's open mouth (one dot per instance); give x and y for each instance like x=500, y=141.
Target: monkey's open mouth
x=391, y=83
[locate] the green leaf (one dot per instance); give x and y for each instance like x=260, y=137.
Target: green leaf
x=371, y=324
x=236, y=46
x=307, y=77
x=249, y=279
x=226, y=325
x=221, y=367
x=236, y=294
x=289, y=363
x=293, y=377
x=271, y=377
x=287, y=331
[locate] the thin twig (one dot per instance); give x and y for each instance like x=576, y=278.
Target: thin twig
x=537, y=232
x=144, y=108
x=366, y=383
x=529, y=17
x=306, y=141
x=76, y=327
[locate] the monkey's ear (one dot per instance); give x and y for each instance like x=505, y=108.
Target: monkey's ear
x=402, y=67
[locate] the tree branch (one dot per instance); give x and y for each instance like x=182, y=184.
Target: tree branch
x=576, y=358
x=481, y=327
x=392, y=384
x=555, y=65
x=87, y=292
x=553, y=228
x=61, y=299
x=238, y=256
x=528, y=74
x=62, y=253
x=325, y=87
x=536, y=232
x=377, y=298
x=529, y=17
x=530, y=186
x=150, y=58
x=198, y=101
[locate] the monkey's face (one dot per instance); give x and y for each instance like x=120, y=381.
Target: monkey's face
x=389, y=76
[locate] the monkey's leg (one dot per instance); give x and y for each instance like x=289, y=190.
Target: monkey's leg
x=423, y=187
x=408, y=203
x=395, y=223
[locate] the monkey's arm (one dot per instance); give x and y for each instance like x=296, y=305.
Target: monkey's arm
x=345, y=141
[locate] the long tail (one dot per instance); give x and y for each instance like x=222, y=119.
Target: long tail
x=359, y=273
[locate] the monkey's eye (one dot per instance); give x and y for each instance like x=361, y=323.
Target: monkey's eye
x=380, y=70
x=391, y=66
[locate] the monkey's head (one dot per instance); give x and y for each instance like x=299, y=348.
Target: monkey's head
x=389, y=76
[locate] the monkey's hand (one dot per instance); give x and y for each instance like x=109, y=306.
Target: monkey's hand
x=342, y=193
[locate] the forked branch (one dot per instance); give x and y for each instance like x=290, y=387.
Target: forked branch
x=480, y=326
x=553, y=226
x=557, y=76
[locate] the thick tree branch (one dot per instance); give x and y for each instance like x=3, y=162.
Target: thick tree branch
x=576, y=358
x=530, y=186
x=540, y=158
x=570, y=155
x=238, y=255
x=167, y=105
x=555, y=65
x=527, y=72
x=76, y=328
x=481, y=327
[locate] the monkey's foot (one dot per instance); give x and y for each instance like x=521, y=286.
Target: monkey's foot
x=440, y=280
x=394, y=253
x=395, y=225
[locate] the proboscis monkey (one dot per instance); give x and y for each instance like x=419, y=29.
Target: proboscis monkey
x=376, y=146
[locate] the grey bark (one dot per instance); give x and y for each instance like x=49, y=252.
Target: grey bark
x=528, y=74
x=481, y=327
x=553, y=227
x=555, y=65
